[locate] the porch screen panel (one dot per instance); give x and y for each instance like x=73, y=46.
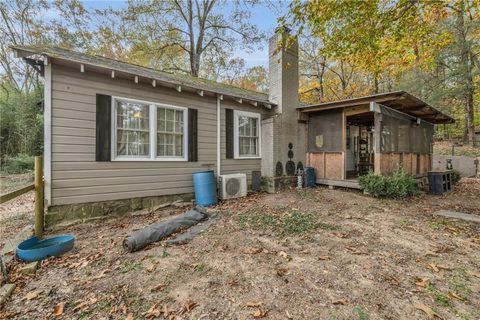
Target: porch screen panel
x=325, y=131
x=401, y=133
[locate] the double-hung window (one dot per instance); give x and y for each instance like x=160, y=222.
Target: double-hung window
x=246, y=134
x=148, y=131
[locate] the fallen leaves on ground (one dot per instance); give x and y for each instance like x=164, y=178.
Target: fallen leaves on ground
x=253, y=304
x=252, y=250
x=188, y=306
x=438, y=267
x=454, y=295
x=340, y=301
x=33, y=294
x=58, y=309
x=284, y=255
x=158, y=287
x=354, y=250
x=422, y=282
x=428, y=311
x=257, y=314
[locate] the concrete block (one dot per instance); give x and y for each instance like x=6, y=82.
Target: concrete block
x=457, y=215
x=29, y=268
x=5, y=292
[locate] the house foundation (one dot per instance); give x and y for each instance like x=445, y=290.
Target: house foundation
x=70, y=214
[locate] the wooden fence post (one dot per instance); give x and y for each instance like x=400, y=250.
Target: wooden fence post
x=39, y=214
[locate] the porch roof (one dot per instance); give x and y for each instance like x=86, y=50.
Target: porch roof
x=398, y=100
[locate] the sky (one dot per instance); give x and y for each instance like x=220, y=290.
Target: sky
x=264, y=16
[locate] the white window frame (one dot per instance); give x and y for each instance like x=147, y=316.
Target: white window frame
x=152, y=109
x=236, y=138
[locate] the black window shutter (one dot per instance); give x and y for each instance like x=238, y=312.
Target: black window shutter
x=103, y=128
x=193, y=135
x=229, y=133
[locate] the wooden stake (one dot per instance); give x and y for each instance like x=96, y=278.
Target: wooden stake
x=39, y=214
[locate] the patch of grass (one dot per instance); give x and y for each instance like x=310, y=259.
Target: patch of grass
x=202, y=268
x=434, y=225
x=129, y=266
x=362, y=315
x=306, y=193
x=84, y=315
x=104, y=304
x=458, y=283
x=164, y=253
x=283, y=222
x=440, y=298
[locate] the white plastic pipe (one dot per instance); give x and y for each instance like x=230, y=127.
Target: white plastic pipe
x=218, y=137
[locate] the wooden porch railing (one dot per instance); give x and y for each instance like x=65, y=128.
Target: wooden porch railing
x=38, y=187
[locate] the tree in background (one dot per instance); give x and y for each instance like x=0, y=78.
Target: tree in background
x=392, y=44
x=196, y=29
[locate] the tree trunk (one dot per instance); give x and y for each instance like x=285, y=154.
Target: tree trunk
x=466, y=66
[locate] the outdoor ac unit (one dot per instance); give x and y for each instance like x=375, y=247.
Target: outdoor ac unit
x=233, y=186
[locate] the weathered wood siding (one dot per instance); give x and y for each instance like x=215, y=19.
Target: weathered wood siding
x=78, y=178
x=413, y=163
x=328, y=165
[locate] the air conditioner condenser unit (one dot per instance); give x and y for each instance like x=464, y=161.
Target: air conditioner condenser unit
x=233, y=186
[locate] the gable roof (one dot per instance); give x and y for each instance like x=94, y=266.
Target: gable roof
x=161, y=77
x=398, y=100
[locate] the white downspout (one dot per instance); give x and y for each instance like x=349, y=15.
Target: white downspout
x=219, y=98
x=47, y=123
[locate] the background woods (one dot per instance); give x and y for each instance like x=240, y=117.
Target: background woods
x=348, y=49
x=429, y=48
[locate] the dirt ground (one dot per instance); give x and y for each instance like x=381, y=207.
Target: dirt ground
x=309, y=254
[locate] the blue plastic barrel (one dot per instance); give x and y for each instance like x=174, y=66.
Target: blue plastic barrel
x=310, y=179
x=205, y=187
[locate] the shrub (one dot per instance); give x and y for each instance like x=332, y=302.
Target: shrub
x=21, y=163
x=456, y=176
x=397, y=186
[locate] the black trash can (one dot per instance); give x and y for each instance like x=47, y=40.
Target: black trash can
x=439, y=182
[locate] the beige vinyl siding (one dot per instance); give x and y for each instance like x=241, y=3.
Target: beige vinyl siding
x=78, y=178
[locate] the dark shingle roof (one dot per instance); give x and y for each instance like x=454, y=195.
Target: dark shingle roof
x=398, y=100
x=111, y=64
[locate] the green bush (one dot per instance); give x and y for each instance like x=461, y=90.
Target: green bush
x=456, y=176
x=397, y=186
x=21, y=163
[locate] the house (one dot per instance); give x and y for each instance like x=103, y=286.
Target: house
x=120, y=137
x=380, y=132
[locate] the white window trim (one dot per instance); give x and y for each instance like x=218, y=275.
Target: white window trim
x=236, y=115
x=152, y=132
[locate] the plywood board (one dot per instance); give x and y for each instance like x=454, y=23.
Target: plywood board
x=328, y=165
x=334, y=165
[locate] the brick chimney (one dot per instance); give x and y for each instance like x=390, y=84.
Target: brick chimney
x=287, y=135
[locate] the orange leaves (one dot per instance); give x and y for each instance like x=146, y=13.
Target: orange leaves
x=58, y=309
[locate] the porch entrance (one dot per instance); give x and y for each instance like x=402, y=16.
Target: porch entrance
x=360, y=144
